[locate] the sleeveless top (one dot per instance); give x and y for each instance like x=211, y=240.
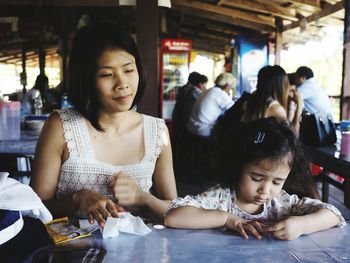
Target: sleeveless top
x=82, y=171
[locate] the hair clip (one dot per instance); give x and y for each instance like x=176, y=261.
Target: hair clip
x=259, y=137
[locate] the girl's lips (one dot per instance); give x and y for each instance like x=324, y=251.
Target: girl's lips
x=260, y=199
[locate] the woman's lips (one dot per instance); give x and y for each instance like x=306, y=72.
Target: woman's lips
x=123, y=98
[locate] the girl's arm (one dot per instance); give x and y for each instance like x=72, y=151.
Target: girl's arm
x=195, y=218
x=128, y=193
x=51, y=152
x=295, y=226
x=198, y=218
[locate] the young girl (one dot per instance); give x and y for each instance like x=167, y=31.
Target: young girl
x=101, y=155
x=251, y=200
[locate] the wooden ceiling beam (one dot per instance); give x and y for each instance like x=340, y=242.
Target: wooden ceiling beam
x=265, y=8
x=259, y=19
x=101, y=3
x=207, y=31
x=313, y=3
x=323, y=13
x=210, y=17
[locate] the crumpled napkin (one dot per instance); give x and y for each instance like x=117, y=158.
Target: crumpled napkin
x=126, y=223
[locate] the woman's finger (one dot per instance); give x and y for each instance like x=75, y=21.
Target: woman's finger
x=111, y=207
x=99, y=218
x=91, y=218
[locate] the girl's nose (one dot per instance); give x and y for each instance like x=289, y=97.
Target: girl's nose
x=264, y=188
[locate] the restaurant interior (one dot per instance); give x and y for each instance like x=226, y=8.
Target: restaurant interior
x=175, y=38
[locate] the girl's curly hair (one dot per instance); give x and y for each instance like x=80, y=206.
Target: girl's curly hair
x=263, y=139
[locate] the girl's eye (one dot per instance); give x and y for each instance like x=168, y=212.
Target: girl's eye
x=129, y=70
x=256, y=179
x=276, y=182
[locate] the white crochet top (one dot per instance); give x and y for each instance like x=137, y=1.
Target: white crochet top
x=82, y=171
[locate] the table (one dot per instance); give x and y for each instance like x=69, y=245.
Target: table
x=331, y=160
x=16, y=155
x=216, y=245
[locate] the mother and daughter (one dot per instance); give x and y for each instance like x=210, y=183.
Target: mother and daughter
x=102, y=157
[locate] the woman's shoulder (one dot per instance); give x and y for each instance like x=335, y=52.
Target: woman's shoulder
x=275, y=109
x=152, y=118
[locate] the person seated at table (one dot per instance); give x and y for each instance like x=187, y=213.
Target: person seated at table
x=272, y=98
x=315, y=97
x=101, y=157
x=262, y=157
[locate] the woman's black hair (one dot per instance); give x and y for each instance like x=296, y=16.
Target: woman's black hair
x=272, y=85
x=262, y=139
x=89, y=43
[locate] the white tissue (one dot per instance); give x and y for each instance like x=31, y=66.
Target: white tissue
x=126, y=223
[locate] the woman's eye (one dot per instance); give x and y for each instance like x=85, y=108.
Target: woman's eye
x=129, y=70
x=105, y=75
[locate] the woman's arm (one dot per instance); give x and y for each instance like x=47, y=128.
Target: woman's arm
x=127, y=193
x=50, y=154
x=298, y=100
x=295, y=226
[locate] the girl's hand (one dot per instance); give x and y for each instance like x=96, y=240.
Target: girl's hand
x=287, y=229
x=243, y=226
x=95, y=206
x=126, y=191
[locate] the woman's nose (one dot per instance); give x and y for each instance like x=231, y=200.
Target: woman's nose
x=121, y=82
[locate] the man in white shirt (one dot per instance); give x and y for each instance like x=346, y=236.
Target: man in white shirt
x=211, y=104
x=315, y=97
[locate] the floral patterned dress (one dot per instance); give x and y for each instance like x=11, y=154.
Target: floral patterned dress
x=280, y=207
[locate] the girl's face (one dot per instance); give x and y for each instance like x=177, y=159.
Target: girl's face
x=261, y=182
x=117, y=80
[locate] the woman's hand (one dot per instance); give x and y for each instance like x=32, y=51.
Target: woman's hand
x=95, y=206
x=126, y=191
x=287, y=229
x=243, y=226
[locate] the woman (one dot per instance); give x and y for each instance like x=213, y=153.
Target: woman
x=272, y=98
x=101, y=157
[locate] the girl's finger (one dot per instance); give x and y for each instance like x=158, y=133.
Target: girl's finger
x=242, y=232
x=252, y=230
x=257, y=226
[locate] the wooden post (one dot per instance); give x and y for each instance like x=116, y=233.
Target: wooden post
x=345, y=92
x=147, y=33
x=42, y=62
x=278, y=41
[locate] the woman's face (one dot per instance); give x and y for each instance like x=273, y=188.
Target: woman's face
x=262, y=181
x=117, y=80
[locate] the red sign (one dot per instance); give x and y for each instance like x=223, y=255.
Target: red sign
x=176, y=44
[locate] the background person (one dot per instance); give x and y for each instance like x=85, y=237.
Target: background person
x=211, y=104
x=100, y=155
x=315, y=97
